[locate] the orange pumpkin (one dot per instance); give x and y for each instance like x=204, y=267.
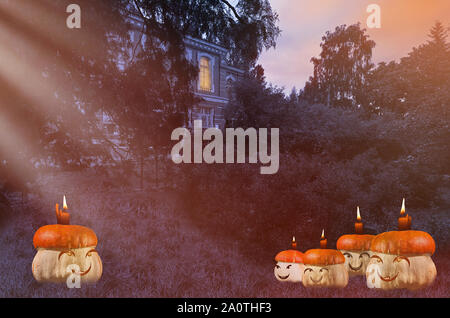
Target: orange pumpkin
x=66, y=253
x=64, y=236
x=404, y=243
x=59, y=247
x=401, y=259
x=356, y=249
x=289, y=267
x=290, y=256
x=324, y=268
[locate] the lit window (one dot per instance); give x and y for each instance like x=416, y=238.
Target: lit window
x=205, y=74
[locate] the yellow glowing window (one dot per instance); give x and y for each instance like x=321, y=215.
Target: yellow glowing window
x=205, y=74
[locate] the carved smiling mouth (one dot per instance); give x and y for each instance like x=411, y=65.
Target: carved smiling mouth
x=316, y=281
x=283, y=277
x=87, y=271
x=387, y=278
x=355, y=268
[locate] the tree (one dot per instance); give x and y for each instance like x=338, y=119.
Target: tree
x=438, y=36
x=156, y=87
x=341, y=70
x=245, y=28
x=67, y=76
x=255, y=103
x=419, y=80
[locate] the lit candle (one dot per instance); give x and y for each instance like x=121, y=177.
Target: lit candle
x=358, y=225
x=294, y=243
x=62, y=216
x=404, y=221
x=323, y=240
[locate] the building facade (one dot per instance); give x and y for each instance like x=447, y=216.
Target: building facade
x=214, y=80
x=213, y=84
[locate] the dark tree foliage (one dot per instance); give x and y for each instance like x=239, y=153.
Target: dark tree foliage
x=255, y=103
x=341, y=70
x=67, y=77
x=245, y=28
x=333, y=158
x=419, y=81
x=156, y=86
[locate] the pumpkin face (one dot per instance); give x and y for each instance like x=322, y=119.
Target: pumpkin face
x=356, y=249
x=325, y=268
x=289, y=272
x=356, y=262
x=401, y=259
x=289, y=267
x=325, y=276
x=52, y=265
x=59, y=246
x=388, y=271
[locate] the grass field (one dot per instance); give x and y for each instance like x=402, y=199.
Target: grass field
x=150, y=248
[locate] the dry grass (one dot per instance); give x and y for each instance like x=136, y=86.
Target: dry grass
x=150, y=249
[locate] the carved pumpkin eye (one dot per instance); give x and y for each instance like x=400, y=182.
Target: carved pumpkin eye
x=307, y=270
x=362, y=254
x=289, y=266
x=277, y=266
x=348, y=255
x=379, y=260
x=68, y=252
x=398, y=259
x=89, y=253
x=321, y=270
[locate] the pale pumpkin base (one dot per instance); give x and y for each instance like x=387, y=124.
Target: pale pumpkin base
x=355, y=261
x=419, y=274
x=295, y=272
x=47, y=267
x=336, y=276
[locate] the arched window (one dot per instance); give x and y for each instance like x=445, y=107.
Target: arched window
x=205, y=74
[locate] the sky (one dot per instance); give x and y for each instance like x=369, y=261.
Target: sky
x=404, y=24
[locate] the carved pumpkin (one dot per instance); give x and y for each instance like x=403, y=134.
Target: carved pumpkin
x=289, y=267
x=59, y=246
x=401, y=259
x=324, y=268
x=356, y=250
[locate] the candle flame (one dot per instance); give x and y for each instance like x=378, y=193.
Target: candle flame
x=358, y=215
x=64, y=203
x=323, y=234
x=403, y=210
x=293, y=239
